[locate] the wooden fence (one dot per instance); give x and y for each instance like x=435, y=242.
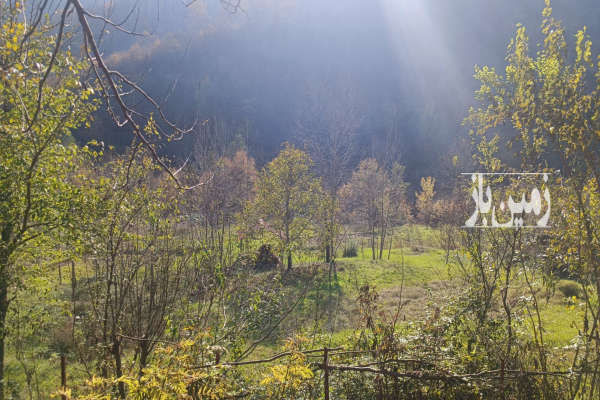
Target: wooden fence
x=379, y=368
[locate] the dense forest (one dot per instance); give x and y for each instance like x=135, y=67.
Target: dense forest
x=299, y=200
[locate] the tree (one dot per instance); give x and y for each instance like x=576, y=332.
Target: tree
x=328, y=125
x=287, y=198
x=70, y=19
x=374, y=198
x=398, y=212
x=426, y=210
x=547, y=107
x=227, y=187
x=36, y=164
x=136, y=263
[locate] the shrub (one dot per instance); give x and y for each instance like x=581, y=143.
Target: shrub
x=265, y=259
x=569, y=288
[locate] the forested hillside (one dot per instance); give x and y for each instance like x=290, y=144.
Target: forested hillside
x=299, y=200
x=399, y=74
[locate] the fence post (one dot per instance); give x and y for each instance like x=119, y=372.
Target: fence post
x=326, y=374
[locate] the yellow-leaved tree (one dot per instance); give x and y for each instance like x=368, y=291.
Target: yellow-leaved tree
x=287, y=198
x=546, y=108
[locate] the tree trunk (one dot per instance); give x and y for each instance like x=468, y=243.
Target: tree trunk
x=373, y=242
x=116, y=352
x=3, y=311
x=325, y=374
x=390, y=246
x=327, y=253
x=289, y=262
x=144, y=353
x=331, y=249
x=381, y=242
x=63, y=375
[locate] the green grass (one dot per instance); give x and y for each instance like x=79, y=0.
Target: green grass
x=419, y=268
x=403, y=267
x=561, y=322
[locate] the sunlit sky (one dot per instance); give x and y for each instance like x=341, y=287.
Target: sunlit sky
x=417, y=57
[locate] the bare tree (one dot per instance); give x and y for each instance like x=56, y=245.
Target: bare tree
x=229, y=185
x=375, y=198
x=327, y=125
x=135, y=264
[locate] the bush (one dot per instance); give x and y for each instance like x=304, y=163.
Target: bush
x=569, y=288
x=265, y=259
x=350, y=250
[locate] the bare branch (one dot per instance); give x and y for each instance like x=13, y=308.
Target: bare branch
x=104, y=72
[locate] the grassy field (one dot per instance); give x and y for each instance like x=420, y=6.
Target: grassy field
x=413, y=274
x=417, y=276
